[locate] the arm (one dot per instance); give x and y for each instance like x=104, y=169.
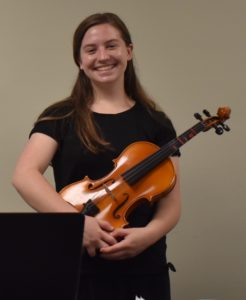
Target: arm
x=28, y=176
x=169, y=209
x=136, y=240
x=29, y=181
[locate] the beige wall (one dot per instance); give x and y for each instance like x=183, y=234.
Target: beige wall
x=190, y=56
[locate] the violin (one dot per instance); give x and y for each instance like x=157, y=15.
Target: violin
x=143, y=171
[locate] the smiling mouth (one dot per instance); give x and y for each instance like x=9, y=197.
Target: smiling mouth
x=105, y=67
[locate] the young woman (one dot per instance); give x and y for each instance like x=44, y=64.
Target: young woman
x=81, y=135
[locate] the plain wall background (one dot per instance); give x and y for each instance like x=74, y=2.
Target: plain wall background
x=190, y=55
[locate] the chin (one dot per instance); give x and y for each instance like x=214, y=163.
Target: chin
x=109, y=79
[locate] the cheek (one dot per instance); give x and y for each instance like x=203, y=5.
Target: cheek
x=85, y=62
x=121, y=56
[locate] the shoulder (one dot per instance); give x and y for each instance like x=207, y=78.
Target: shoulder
x=163, y=121
x=57, y=110
x=158, y=124
x=54, y=121
x=156, y=117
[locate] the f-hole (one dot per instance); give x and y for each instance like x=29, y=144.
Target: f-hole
x=116, y=216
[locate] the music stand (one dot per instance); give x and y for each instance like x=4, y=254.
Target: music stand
x=40, y=255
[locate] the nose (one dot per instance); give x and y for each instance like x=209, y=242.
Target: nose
x=102, y=54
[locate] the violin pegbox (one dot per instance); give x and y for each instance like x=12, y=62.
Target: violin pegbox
x=216, y=122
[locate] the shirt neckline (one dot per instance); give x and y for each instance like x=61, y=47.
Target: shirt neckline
x=129, y=110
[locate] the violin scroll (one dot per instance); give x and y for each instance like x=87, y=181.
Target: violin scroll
x=216, y=122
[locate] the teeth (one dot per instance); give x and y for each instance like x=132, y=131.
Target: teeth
x=105, y=68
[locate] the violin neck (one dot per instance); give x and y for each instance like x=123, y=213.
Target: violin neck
x=171, y=147
x=137, y=172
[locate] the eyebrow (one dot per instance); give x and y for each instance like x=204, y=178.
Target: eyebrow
x=107, y=42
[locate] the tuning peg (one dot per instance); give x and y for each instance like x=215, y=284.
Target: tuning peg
x=198, y=116
x=206, y=113
x=218, y=129
x=225, y=127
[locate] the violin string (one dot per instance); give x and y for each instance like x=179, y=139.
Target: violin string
x=130, y=175
x=103, y=192
x=136, y=172
x=161, y=154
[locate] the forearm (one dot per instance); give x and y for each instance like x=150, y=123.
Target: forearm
x=39, y=193
x=168, y=212
x=135, y=240
x=165, y=219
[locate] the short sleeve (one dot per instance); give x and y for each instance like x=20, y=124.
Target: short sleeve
x=56, y=127
x=52, y=128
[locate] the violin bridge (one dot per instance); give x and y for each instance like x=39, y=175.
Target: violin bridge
x=108, y=191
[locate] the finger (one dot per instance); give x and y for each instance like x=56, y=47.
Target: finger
x=105, y=225
x=116, y=256
x=91, y=251
x=114, y=248
x=102, y=244
x=119, y=233
x=94, y=250
x=109, y=239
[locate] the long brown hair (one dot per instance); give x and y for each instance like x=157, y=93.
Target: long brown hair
x=82, y=93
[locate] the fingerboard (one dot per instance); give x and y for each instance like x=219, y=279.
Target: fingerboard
x=141, y=169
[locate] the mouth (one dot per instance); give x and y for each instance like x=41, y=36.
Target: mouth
x=103, y=68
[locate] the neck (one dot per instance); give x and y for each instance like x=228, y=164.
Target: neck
x=110, y=99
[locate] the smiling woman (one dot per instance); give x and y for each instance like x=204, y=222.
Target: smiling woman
x=104, y=55
x=81, y=136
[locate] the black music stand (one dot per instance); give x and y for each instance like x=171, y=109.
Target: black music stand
x=40, y=255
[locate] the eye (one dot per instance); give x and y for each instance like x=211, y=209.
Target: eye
x=112, y=46
x=90, y=50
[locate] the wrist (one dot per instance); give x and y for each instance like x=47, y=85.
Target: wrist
x=155, y=231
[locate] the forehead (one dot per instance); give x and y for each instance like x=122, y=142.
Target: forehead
x=100, y=33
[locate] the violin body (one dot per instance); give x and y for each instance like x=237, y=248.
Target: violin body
x=143, y=172
x=112, y=198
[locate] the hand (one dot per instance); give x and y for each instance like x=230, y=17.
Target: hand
x=97, y=235
x=132, y=242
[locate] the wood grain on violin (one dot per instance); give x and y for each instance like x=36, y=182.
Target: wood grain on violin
x=137, y=175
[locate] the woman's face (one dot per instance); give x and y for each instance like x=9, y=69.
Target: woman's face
x=104, y=54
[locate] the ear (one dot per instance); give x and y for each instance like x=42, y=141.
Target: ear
x=79, y=62
x=80, y=65
x=130, y=51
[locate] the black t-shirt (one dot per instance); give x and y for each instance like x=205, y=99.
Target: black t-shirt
x=72, y=162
